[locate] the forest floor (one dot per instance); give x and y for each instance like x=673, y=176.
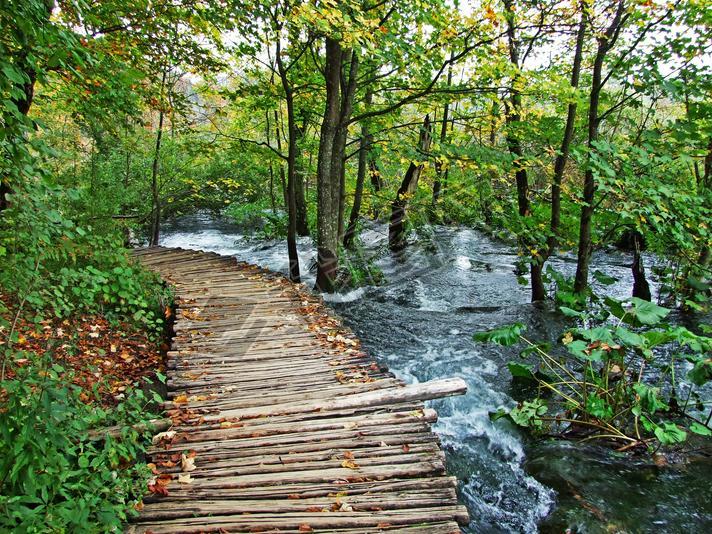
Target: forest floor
x=102, y=357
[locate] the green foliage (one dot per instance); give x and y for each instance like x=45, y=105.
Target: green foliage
x=359, y=269
x=505, y=335
x=56, y=266
x=57, y=477
x=257, y=218
x=614, y=384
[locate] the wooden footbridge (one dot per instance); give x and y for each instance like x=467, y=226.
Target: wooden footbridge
x=280, y=421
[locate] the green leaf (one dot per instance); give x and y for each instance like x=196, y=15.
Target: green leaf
x=500, y=414
x=578, y=348
x=700, y=429
x=603, y=278
x=529, y=413
x=505, y=335
x=647, y=312
x=13, y=74
x=701, y=373
x=649, y=399
x=598, y=407
x=601, y=334
x=669, y=434
x=570, y=312
x=521, y=370
x=630, y=339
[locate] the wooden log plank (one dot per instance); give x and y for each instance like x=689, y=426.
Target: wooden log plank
x=396, y=486
x=425, y=391
x=315, y=520
x=281, y=418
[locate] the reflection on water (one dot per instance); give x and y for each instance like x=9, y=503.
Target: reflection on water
x=420, y=323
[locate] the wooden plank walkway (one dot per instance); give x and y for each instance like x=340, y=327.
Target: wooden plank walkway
x=281, y=423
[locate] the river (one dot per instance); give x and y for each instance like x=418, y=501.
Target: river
x=420, y=322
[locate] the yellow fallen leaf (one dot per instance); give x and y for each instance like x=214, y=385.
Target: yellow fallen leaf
x=187, y=464
x=180, y=399
x=184, y=478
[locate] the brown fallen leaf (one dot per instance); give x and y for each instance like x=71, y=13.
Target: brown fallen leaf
x=163, y=437
x=348, y=455
x=305, y=528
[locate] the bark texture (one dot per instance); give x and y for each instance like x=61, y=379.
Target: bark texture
x=340, y=91
x=399, y=207
x=605, y=43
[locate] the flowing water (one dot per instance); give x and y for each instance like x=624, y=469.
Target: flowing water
x=420, y=322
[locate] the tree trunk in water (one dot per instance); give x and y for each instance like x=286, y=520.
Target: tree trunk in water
x=291, y=202
x=563, y=156
x=328, y=177
x=605, y=42
x=641, y=288
x=537, y=268
x=514, y=144
x=332, y=148
x=363, y=153
x=348, y=89
x=396, y=227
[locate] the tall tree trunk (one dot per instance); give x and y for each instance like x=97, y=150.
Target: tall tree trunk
x=4, y=191
x=376, y=178
x=441, y=175
x=537, y=267
x=514, y=144
x=23, y=104
x=605, y=42
x=282, y=176
x=332, y=149
x=399, y=207
x=707, y=176
x=563, y=155
x=363, y=154
x=272, y=199
x=294, y=274
x=348, y=88
x=342, y=198
x=299, y=197
x=155, y=190
x=327, y=177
